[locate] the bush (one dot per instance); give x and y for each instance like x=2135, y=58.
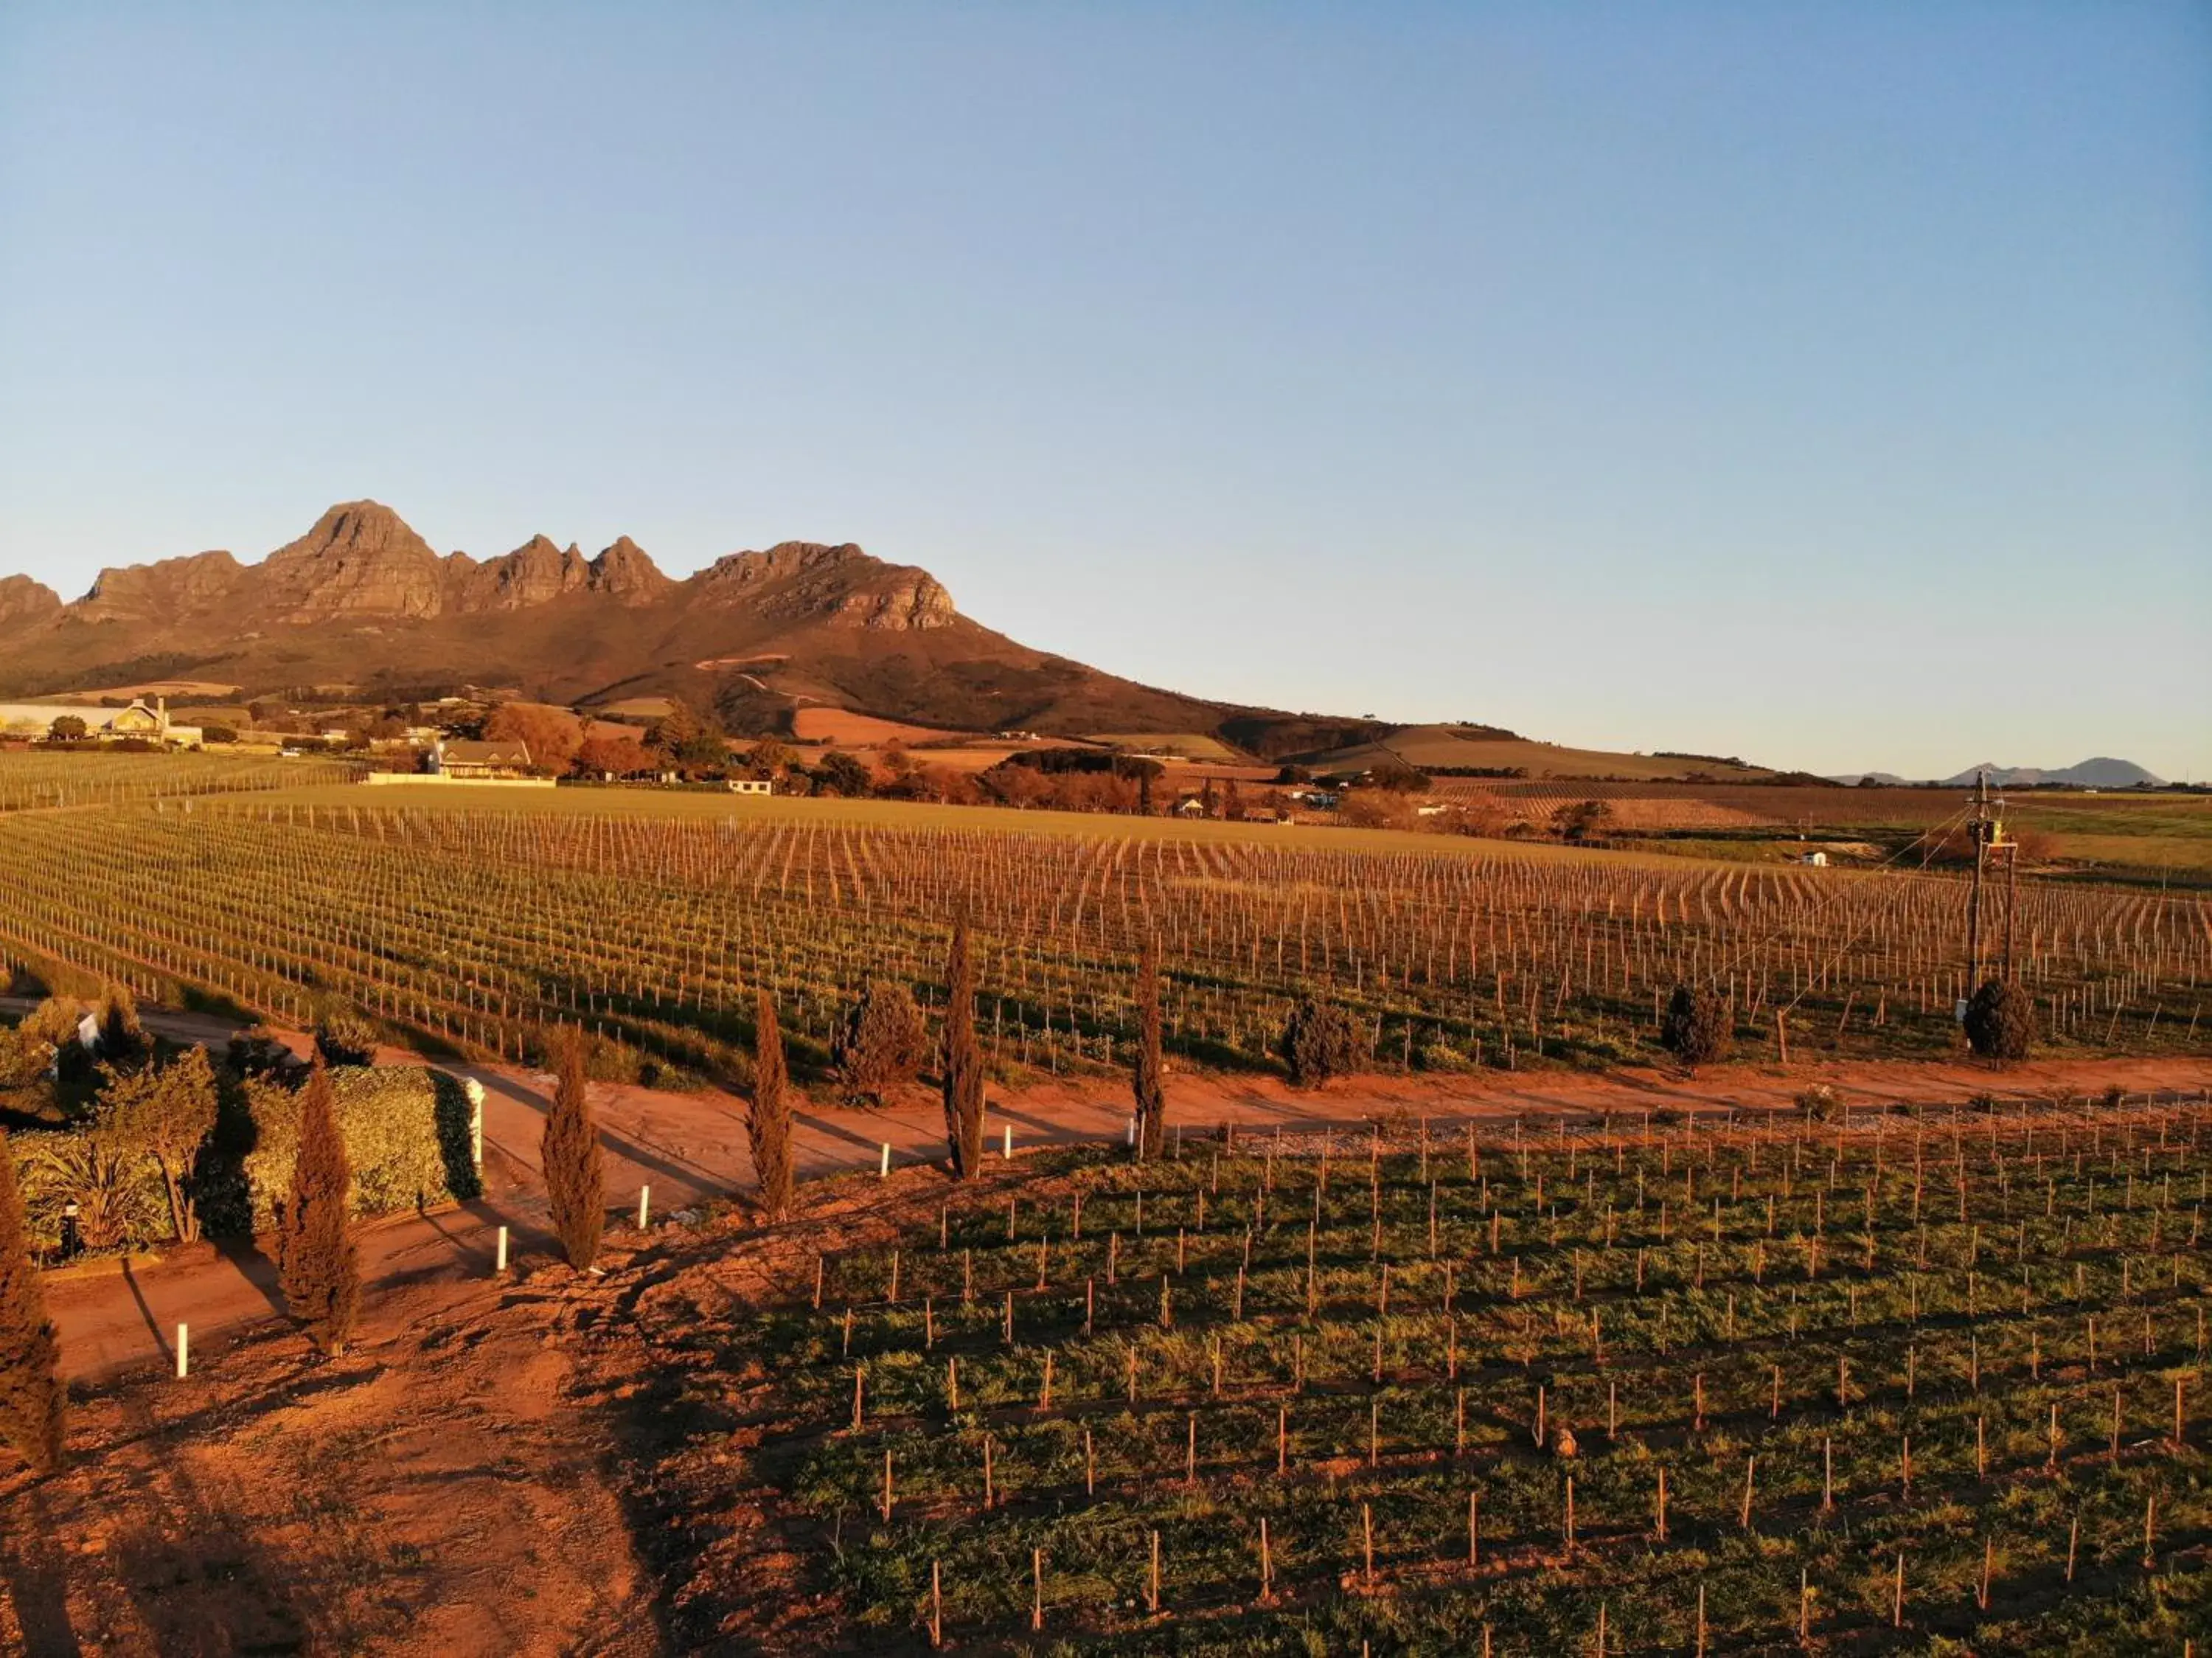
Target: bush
x=1441, y=1057
x=1322, y=1041
x=119, y=1196
x=1820, y=1103
x=2001, y=1020
x=1696, y=1029
x=32, y=1397
x=406, y=1134
x=342, y=1037
x=881, y=1044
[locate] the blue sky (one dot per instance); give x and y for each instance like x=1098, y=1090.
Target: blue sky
x=1828, y=384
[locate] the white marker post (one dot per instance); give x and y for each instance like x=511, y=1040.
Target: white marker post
x=474, y=1090
x=644, y=1205
x=499, y=1263
x=184, y=1352
x=884, y=1167
x=1009, y=1143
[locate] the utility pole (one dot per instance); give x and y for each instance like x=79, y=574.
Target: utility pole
x=1987, y=828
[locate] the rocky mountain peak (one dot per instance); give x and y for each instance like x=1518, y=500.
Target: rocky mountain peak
x=625, y=571
x=22, y=599
x=360, y=559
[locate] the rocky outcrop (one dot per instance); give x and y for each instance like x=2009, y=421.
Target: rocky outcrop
x=161, y=591
x=23, y=601
x=839, y=586
x=624, y=573
x=533, y=574
x=361, y=558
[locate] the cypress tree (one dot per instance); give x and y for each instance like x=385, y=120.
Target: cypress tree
x=963, y=1061
x=1147, y=1073
x=768, y=1121
x=576, y=1181
x=316, y=1264
x=31, y=1396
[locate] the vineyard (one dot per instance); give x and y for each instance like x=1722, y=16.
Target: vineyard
x=1684, y=1388
x=31, y=782
x=477, y=928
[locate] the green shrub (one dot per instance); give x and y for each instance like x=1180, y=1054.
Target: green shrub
x=1322, y=1041
x=344, y=1038
x=1441, y=1056
x=406, y=1133
x=121, y=1202
x=881, y=1044
x=1820, y=1103
x=1696, y=1029
x=2001, y=1020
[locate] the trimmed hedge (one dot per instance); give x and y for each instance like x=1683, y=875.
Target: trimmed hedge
x=406, y=1131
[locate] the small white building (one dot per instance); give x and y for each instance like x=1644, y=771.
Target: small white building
x=751, y=786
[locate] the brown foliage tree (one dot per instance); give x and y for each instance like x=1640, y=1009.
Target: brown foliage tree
x=1322, y=1042
x=1696, y=1029
x=767, y=1121
x=575, y=1175
x=2001, y=1020
x=963, y=1061
x=32, y=1395
x=552, y=735
x=316, y=1264
x=622, y=757
x=881, y=1043
x=1148, y=1070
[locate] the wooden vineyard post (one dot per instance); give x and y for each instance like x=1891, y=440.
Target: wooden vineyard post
x=1750, y=1470
x=859, y=1377
x=1282, y=1441
x=990, y=1497
x=1090, y=1468
x=1897, y=1594
x=2072, y=1545
x=1152, y=1578
x=1037, y=1569
x=936, y=1607
x=1827, y=1475
x=1474, y=1534
x=1367, y=1540
x=1190, y=1452
x=887, y=1486
x=1982, y=1592
x=1570, y=1525
x=1804, y=1607
x=1267, y=1565
x=1659, y=1505
x=1701, y=1621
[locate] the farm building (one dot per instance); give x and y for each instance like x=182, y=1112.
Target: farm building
x=136, y=720
x=473, y=761
x=751, y=786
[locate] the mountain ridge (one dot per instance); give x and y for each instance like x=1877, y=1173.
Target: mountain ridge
x=363, y=601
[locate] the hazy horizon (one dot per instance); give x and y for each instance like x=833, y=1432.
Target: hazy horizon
x=1828, y=385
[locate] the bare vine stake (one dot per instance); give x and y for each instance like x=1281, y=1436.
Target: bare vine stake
x=1037, y=1577
x=1367, y=1535
x=1090, y=1468
x=936, y=1607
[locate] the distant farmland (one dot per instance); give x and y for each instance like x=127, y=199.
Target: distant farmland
x=653, y=920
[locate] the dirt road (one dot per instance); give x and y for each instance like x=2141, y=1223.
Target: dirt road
x=690, y=1148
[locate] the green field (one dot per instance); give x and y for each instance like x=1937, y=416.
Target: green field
x=1946, y=1342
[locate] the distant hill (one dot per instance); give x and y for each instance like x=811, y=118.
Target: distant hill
x=1444, y=749
x=2101, y=772
x=361, y=607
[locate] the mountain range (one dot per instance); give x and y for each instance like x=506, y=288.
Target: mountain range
x=2099, y=772
x=362, y=606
